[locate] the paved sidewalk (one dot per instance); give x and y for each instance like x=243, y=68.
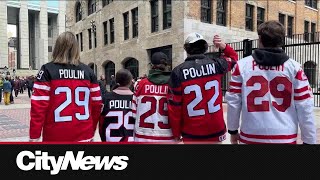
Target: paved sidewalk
x=15, y=118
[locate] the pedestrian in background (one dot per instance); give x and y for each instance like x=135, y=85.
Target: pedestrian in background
x=17, y=86
x=112, y=82
x=7, y=87
x=11, y=80
x=1, y=87
x=29, y=83
x=102, y=84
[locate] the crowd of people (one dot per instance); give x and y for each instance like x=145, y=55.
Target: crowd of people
x=11, y=87
x=268, y=99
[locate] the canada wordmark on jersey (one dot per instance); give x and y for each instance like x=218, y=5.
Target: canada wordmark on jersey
x=272, y=100
x=66, y=103
x=117, y=123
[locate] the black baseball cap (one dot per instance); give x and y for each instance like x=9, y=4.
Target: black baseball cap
x=159, y=58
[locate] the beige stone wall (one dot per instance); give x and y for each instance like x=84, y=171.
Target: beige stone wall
x=236, y=13
x=136, y=48
x=3, y=35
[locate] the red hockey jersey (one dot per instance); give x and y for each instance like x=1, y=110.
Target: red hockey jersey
x=195, y=97
x=66, y=103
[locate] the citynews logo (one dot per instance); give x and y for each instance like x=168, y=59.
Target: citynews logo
x=42, y=161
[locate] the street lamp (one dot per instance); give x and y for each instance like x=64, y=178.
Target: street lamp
x=93, y=42
x=93, y=31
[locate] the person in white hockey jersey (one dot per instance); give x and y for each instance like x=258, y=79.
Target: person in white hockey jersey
x=149, y=104
x=271, y=93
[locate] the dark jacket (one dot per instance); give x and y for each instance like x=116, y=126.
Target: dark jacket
x=103, y=89
x=29, y=83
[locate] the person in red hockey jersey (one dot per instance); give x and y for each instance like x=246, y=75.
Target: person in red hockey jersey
x=270, y=95
x=66, y=103
x=195, y=96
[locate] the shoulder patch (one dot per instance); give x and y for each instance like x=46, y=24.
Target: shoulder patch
x=301, y=75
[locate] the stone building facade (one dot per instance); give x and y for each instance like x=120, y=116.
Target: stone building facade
x=173, y=20
x=38, y=24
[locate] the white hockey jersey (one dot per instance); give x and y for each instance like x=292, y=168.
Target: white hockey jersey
x=149, y=108
x=272, y=101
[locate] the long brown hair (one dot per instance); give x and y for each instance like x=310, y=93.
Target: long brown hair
x=66, y=49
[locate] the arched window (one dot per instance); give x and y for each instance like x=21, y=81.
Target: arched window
x=133, y=66
x=109, y=69
x=310, y=69
x=78, y=12
x=92, y=6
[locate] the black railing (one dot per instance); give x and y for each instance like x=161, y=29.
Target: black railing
x=304, y=48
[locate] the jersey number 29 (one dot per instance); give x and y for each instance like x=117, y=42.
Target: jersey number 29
x=84, y=103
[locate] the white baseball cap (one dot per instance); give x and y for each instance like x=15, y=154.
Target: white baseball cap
x=194, y=37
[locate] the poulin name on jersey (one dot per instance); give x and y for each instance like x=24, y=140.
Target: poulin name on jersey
x=255, y=66
x=207, y=69
x=120, y=104
x=71, y=74
x=156, y=89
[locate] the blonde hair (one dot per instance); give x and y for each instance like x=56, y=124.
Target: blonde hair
x=66, y=49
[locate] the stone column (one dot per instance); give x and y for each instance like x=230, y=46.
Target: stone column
x=43, y=40
x=24, y=35
x=62, y=17
x=3, y=35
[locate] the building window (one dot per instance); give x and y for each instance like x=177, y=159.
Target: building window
x=77, y=36
x=78, y=12
x=111, y=24
x=105, y=31
x=306, y=31
x=49, y=48
x=290, y=26
x=90, y=38
x=133, y=66
x=311, y=3
x=282, y=18
x=95, y=38
x=81, y=42
x=154, y=16
x=91, y=6
x=313, y=32
x=249, y=17
x=106, y=2
x=167, y=16
x=260, y=16
x=50, y=27
x=167, y=50
x=206, y=9
x=222, y=12
x=126, y=25
x=135, y=22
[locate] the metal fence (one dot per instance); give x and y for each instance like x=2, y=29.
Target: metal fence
x=304, y=48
